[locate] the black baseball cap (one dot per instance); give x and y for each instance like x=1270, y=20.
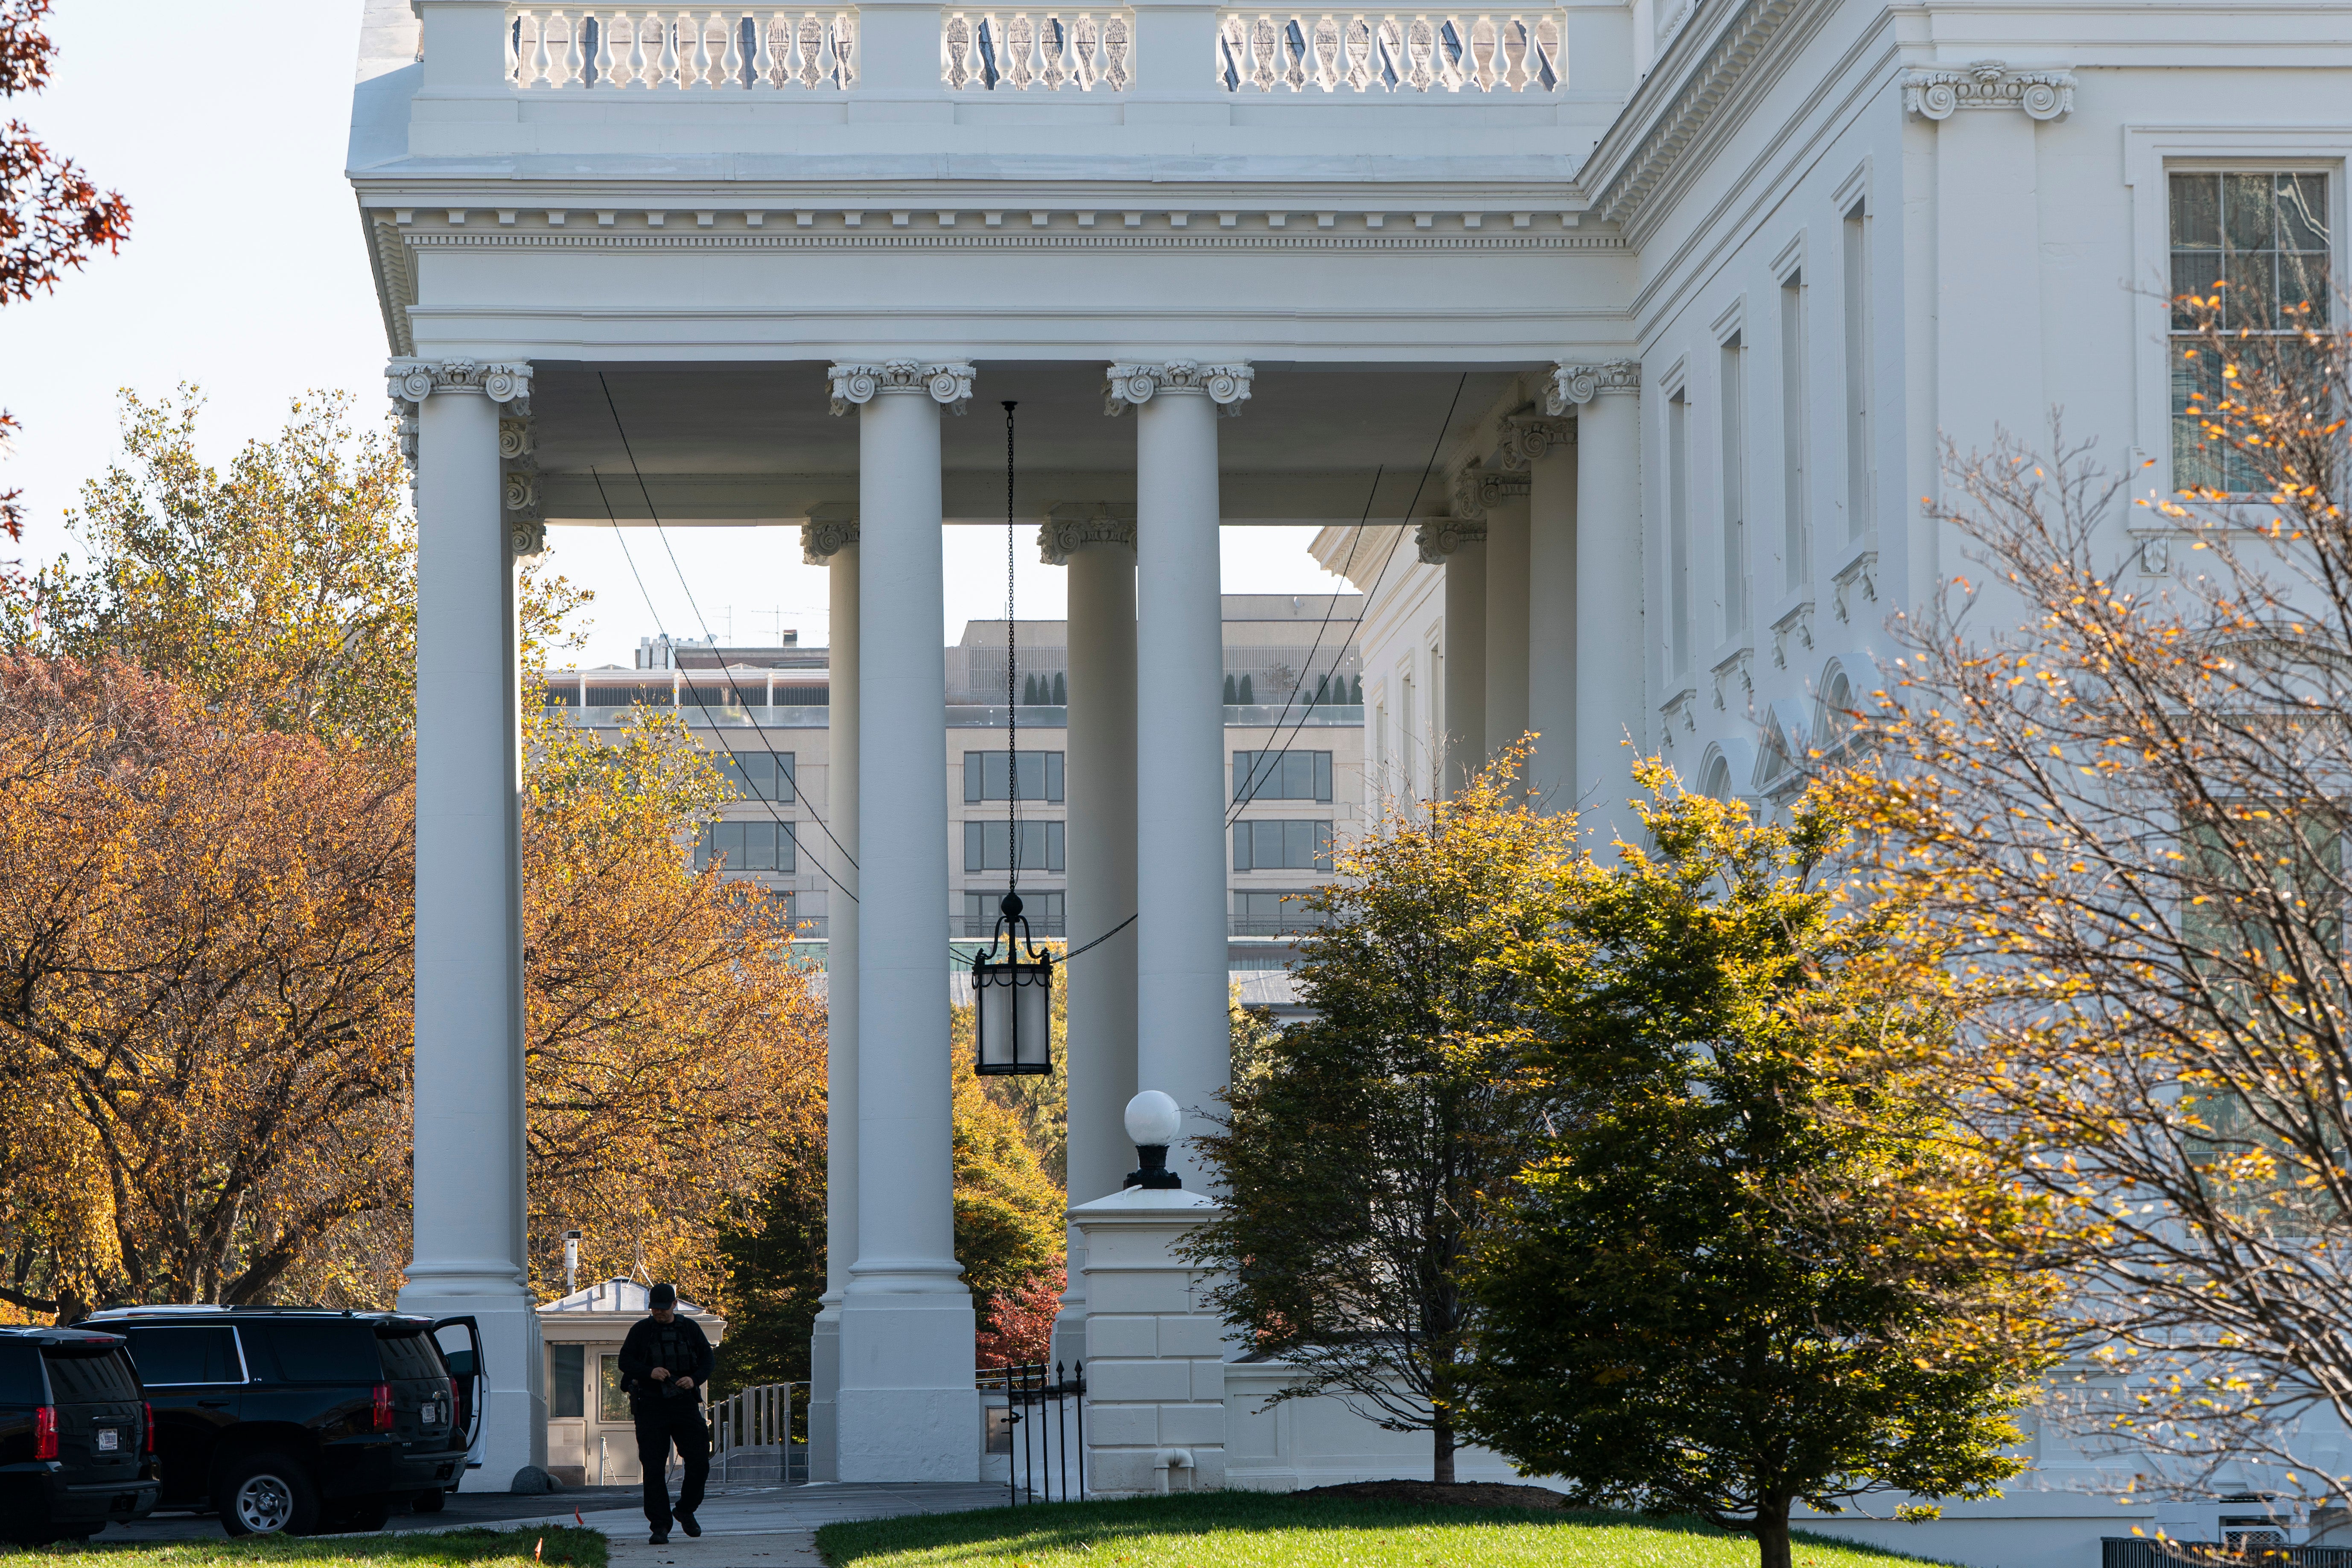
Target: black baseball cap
x=661, y=1295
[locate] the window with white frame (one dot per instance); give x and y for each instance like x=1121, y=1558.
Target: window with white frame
x=1856, y=284
x=1796, y=540
x=2259, y=240
x=1734, y=404
x=1678, y=526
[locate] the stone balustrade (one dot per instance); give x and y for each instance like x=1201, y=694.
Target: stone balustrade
x=1042, y=51
x=1395, y=51
x=573, y=48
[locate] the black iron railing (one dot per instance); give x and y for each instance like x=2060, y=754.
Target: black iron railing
x=1043, y=1430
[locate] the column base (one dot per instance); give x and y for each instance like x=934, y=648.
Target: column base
x=514, y=1404
x=909, y=1410
x=825, y=1393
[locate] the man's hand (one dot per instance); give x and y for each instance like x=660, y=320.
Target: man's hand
x=686, y=1383
x=659, y=1374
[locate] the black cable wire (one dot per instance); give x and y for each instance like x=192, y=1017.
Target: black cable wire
x=663, y=534
x=1330, y=602
x=1435, y=446
x=698, y=702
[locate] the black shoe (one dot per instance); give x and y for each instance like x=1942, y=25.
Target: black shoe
x=660, y=1538
x=688, y=1523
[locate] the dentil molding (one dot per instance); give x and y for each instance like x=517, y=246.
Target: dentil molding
x=1934, y=93
x=1226, y=385
x=948, y=385
x=823, y=538
x=1574, y=385
x=1441, y=538
x=1074, y=525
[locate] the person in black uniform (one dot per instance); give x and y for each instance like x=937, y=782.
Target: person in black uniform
x=665, y=1363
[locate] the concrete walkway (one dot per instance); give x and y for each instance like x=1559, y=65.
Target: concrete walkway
x=744, y=1526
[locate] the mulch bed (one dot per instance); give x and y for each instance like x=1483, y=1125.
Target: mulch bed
x=1457, y=1494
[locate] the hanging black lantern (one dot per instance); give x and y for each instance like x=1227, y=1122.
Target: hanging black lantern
x=1013, y=1018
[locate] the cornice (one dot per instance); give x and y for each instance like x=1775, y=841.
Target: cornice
x=737, y=237
x=1701, y=72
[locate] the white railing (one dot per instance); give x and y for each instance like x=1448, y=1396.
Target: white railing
x=755, y=1425
x=1387, y=52
x=1040, y=52
x=572, y=48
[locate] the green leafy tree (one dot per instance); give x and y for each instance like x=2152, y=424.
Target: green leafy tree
x=1361, y=1146
x=1756, y=1266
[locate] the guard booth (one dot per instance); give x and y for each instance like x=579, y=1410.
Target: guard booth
x=590, y=1440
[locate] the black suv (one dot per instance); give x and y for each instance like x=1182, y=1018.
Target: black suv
x=75, y=1439
x=302, y=1419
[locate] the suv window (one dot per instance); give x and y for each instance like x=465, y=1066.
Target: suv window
x=202, y=1353
x=20, y=1374
x=95, y=1374
x=328, y=1349
x=409, y=1355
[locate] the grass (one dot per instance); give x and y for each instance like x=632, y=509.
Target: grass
x=1260, y=1530
x=490, y=1548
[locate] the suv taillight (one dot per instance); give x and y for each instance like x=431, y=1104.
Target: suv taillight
x=45, y=1432
x=453, y=1402
x=383, y=1407
x=150, y=1409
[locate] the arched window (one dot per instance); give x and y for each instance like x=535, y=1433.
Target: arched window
x=1836, y=727
x=1718, y=779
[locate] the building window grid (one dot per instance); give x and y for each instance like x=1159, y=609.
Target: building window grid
x=1277, y=843
x=747, y=847
x=1282, y=775
x=2260, y=239
x=756, y=775
x=988, y=776
x=988, y=847
x=1044, y=910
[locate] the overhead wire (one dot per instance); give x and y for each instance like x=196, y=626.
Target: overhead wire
x=732, y=685
x=1427, y=468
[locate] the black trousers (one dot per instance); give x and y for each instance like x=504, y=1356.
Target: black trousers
x=662, y=1421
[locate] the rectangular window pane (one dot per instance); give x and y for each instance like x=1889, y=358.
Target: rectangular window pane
x=986, y=777
x=1042, y=911
x=1678, y=529
x=1856, y=283
x=565, y=1394
x=987, y=847
x=1796, y=539
x=612, y=1404
x=1282, y=775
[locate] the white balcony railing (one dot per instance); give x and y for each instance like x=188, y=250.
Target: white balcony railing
x=579, y=48
x=1387, y=52
x=1044, y=51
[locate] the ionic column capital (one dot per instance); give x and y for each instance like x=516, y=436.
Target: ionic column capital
x=1226, y=385
x=1576, y=384
x=1074, y=525
x=410, y=380
x=1933, y=93
x=823, y=538
x=948, y=384
x=1528, y=438
x=1475, y=489
x=1441, y=537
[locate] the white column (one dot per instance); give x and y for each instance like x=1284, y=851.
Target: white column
x=1099, y=1060
x=470, y=1253
x=1549, y=452
x=1611, y=710
x=1459, y=547
x=1183, y=1041
x=908, y=1409
x=833, y=545
x=1507, y=613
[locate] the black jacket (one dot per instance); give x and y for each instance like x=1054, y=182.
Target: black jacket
x=649, y=1345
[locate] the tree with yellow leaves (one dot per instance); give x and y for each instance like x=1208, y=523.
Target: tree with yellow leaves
x=2115, y=770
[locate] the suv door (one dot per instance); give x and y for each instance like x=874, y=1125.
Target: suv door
x=194, y=1377
x=460, y=1340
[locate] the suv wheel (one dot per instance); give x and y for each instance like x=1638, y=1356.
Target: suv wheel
x=268, y=1494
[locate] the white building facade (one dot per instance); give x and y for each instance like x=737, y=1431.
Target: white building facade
x=1635, y=328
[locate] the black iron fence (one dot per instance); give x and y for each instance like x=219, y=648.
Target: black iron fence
x=1040, y=1429
x=2247, y=1549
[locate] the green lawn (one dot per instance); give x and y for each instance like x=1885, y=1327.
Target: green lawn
x=489, y=1548
x=1258, y=1530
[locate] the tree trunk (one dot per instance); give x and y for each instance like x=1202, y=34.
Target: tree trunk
x=1441, y=1464
x=1773, y=1531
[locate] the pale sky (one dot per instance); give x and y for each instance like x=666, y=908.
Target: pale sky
x=225, y=128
